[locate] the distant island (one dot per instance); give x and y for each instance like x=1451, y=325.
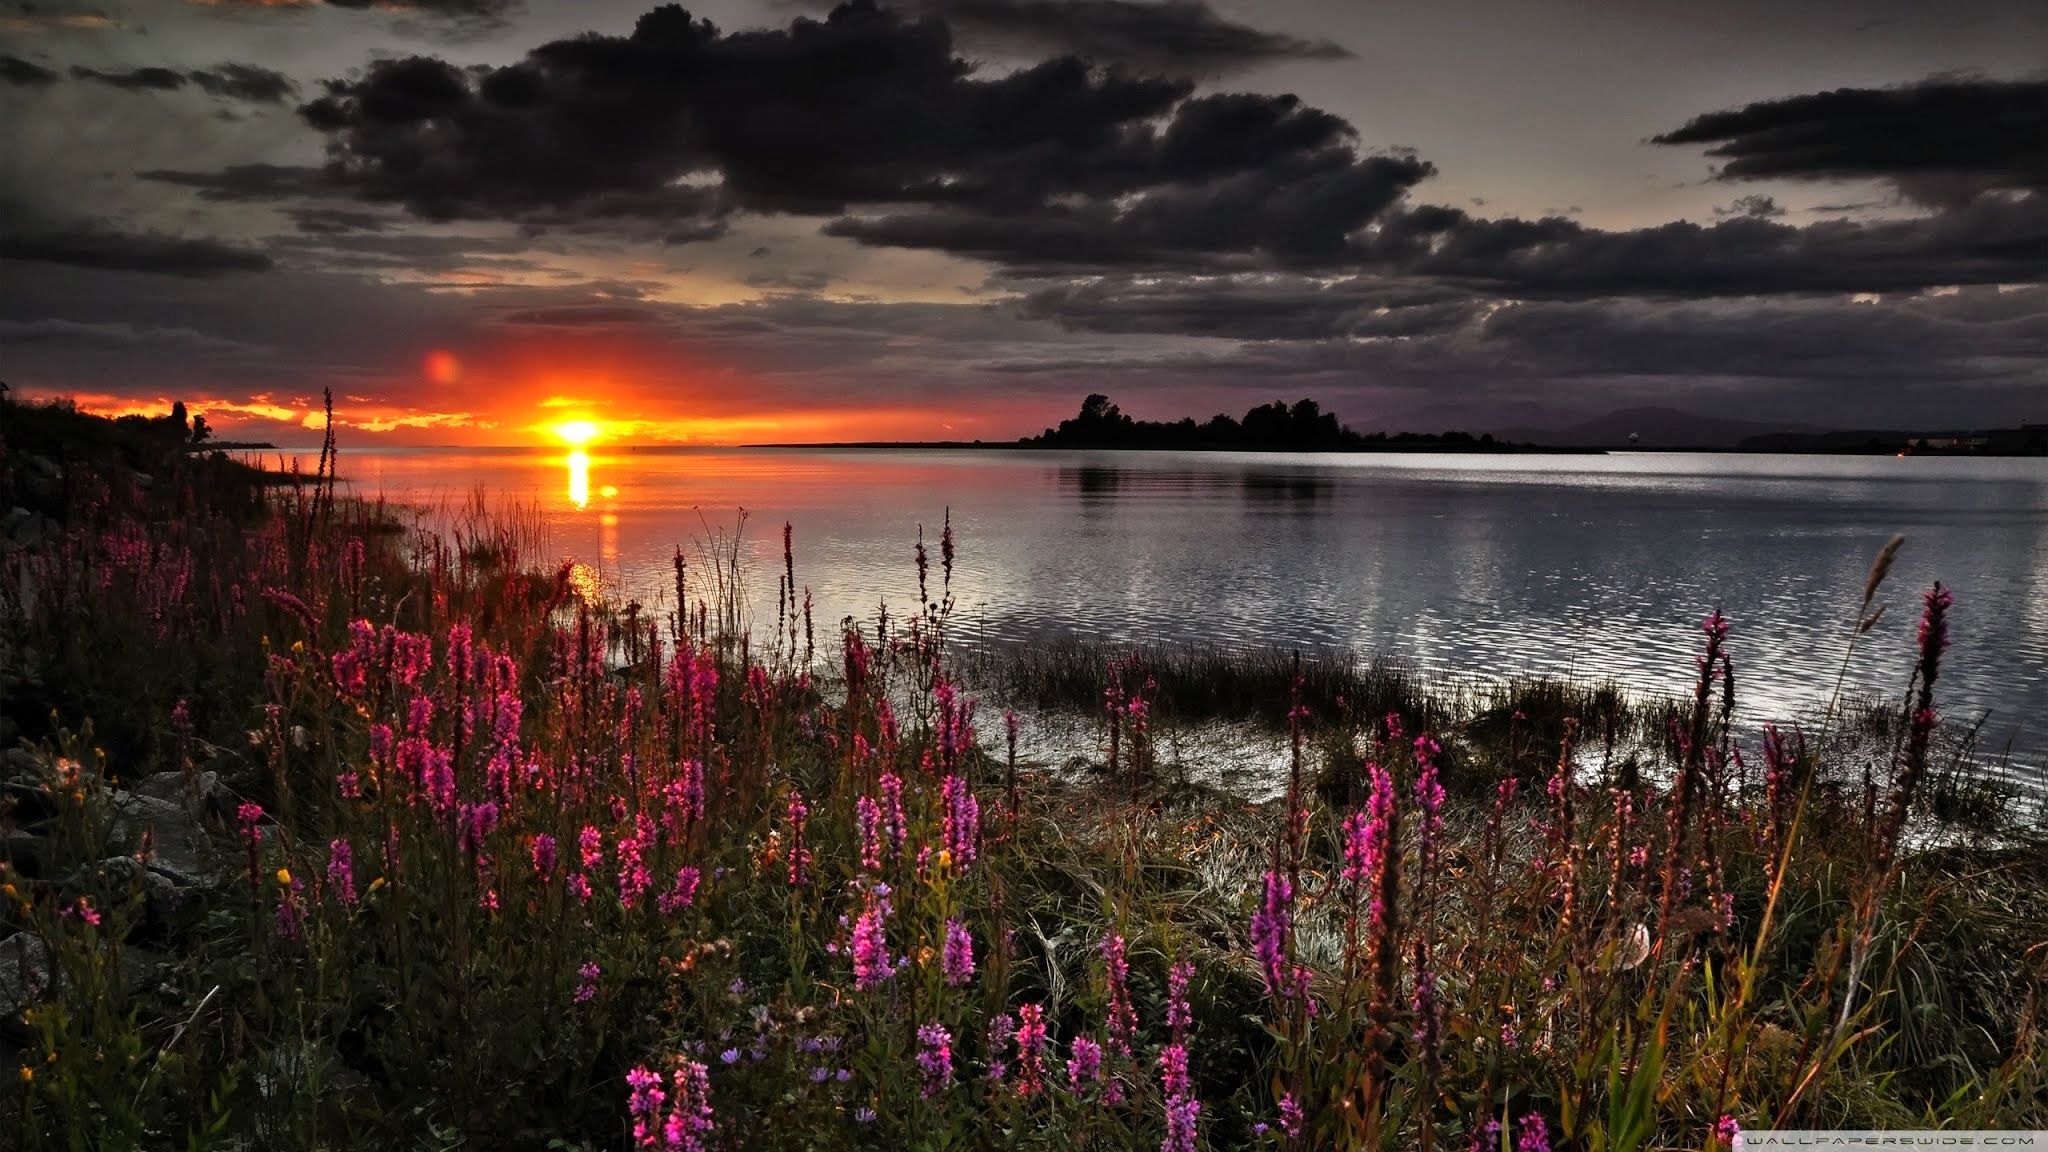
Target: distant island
x=2025, y=440
x=1276, y=427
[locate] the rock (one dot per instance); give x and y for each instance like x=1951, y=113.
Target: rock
x=27, y=533
x=162, y=899
x=170, y=786
x=27, y=852
x=24, y=972
x=25, y=976
x=181, y=849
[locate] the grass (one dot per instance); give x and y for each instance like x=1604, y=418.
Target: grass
x=487, y=863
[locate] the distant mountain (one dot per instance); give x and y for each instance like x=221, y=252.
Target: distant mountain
x=1652, y=427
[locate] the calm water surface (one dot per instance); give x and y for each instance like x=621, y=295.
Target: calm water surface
x=1598, y=566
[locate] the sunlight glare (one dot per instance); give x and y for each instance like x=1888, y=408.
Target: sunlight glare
x=577, y=433
x=579, y=478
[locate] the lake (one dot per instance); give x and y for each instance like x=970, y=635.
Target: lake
x=1591, y=566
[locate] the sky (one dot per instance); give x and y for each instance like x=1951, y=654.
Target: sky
x=773, y=220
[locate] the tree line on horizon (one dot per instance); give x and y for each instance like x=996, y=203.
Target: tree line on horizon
x=1300, y=427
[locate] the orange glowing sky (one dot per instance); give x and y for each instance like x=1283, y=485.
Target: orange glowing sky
x=525, y=398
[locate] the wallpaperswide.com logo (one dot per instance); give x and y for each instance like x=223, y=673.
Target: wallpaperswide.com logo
x=1788, y=1139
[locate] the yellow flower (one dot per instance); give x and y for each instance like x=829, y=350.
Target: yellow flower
x=376, y=884
x=284, y=876
x=298, y=645
x=945, y=859
x=28, y=1074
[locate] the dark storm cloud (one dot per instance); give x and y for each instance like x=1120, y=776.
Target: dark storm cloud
x=459, y=11
x=325, y=221
x=247, y=182
x=120, y=337
x=1995, y=238
x=233, y=81
x=1177, y=36
x=579, y=316
x=679, y=122
x=1258, y=307
x=245, y=82
x=21, y=73
x=152, y=79
x=96, y=245
x=1932, y=139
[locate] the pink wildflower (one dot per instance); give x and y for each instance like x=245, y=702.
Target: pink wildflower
x=1084, y=1067
x=935, y=1057
x=1030, y=1049
x=957, y=959
x=341, y=872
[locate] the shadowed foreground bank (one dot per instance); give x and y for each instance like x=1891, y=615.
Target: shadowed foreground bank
x=325, y=835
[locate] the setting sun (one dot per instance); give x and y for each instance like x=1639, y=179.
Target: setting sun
x=577, y=432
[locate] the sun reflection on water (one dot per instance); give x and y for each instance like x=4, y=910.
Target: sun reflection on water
x=579, y=478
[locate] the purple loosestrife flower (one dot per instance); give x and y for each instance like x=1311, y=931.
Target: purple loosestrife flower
x=961, y=820
x=895, y=826
x=341, y=872
x=935, y=1057
x=870, y=946
x=799, y=852
x=1290, y=1117
x=1486, y=1137
x=1535, y=1135
x=1183, y=1115
x=1183, y=1111
x=957, y=958
x=682, y=894
x=543, y=855
x=1084, y=1067
x=590, y=842
x=634, y=879
x=1727, y=1130
x=586, y=982
x=643, y=1103
x=477, y=821
x=250, y=816
x=1030, y=1049
x=1000, y=1029
x=1173, y=1071
x=1123, y=1019
x=867, y=823
x=1272, y=934
x=690, y=1117
x=1178, y=1014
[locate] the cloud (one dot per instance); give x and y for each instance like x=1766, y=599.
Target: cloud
x=1996, y=238
x=245, y=82
x=579, y=316
x=19, y=73
x=680, y=126
x=121, y=336
x=1941, y=139
x=1760, y=207
x=96, y=245
x=459, y=11
x=151, y=79
x=231, y=81
x=1173, y=36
